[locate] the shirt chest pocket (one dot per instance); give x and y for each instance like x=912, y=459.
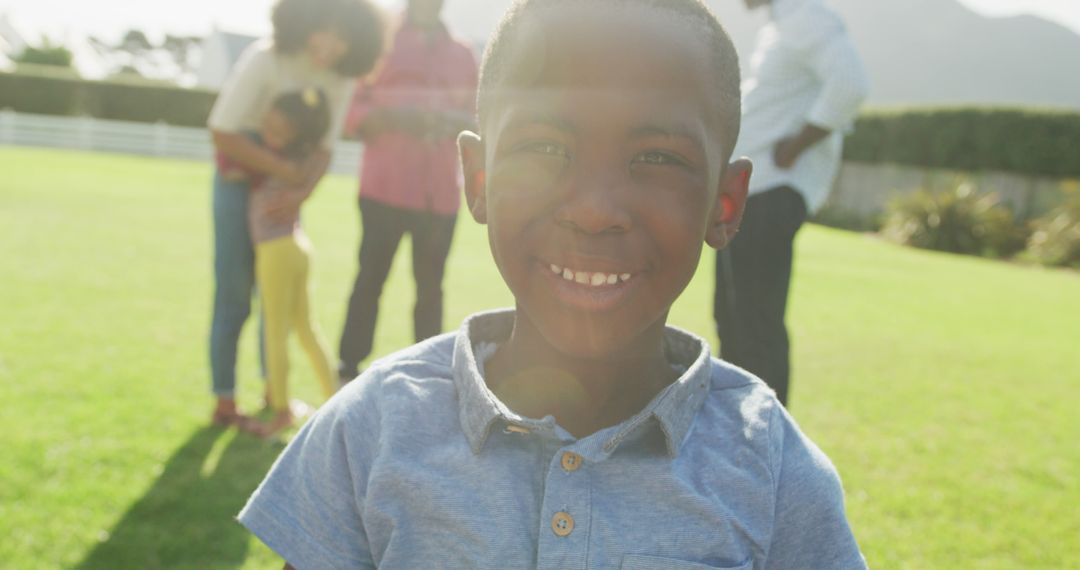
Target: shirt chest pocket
x=642, y=562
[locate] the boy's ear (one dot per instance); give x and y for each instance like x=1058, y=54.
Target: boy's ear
x=730, y=201
x=471, y=148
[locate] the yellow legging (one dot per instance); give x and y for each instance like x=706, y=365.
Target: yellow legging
x=281, y=267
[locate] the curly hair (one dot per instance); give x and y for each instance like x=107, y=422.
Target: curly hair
x=360, y=23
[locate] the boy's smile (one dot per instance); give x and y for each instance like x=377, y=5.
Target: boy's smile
x=598, y=176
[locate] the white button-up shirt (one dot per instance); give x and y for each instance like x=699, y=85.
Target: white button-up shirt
x=804, y=69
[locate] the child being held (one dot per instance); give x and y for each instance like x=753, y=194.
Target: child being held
x=292, y=128
x=577, y=430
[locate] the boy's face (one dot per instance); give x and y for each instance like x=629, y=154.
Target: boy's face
x=599, y=174
x=277, y=130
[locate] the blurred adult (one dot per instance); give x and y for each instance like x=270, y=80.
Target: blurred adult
x=805, y=87
x=408, y=116
x=323, y=44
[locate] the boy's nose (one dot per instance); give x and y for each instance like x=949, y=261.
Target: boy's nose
x=595, y=206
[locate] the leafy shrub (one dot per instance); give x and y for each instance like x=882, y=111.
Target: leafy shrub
x=1055, y=239
x=1022, y=141
x=958, y=221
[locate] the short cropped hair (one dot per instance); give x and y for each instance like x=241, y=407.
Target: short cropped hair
x=495, y=63
x=359, y=22
x=308, y=111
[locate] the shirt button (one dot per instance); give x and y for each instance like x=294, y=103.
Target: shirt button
x=571, y=461
x=562, y=524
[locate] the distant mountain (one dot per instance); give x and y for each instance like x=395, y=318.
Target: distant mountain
x=933, y=52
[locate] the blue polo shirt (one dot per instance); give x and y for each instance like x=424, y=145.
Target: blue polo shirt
x=417, y=464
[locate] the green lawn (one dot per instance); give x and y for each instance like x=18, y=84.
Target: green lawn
x=943, y=387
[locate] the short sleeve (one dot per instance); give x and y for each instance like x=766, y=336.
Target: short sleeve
x=308, y=509
x=250, y=81
x=810, y=526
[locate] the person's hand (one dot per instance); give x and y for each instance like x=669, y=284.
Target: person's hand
x=786, y=152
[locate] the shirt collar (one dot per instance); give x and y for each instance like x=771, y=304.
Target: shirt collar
x=672, y=410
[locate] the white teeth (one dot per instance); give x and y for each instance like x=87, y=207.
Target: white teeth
x=590, y=278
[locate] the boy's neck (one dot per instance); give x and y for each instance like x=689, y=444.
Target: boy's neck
x=584, y=395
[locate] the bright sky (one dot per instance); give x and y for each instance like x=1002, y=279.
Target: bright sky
x=109, y=19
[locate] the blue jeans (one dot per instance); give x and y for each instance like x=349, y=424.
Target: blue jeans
x=234, y=281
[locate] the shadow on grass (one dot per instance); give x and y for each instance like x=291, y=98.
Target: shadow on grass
x=186, y=520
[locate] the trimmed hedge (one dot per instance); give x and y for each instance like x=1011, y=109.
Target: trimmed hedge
x=1030, y=142
x=58, y=93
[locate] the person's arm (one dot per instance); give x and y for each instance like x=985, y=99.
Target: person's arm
x=283, y=204
x=845, y=86
x=253, y=156
x=810, y=527
x=309, y=508
x=374, y=111
x=789, y=149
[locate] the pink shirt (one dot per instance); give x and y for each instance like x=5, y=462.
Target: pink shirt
x=432, y=72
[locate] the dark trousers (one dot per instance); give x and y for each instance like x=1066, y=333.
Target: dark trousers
x=382, y=227
x=752, y=279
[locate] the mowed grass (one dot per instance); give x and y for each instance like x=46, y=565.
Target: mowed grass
x=944, y=388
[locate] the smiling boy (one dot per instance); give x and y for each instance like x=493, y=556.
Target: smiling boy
x=578, y=430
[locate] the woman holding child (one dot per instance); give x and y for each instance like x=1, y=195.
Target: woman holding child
x=316, y=44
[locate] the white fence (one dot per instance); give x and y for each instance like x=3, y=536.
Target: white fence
x=150, y=139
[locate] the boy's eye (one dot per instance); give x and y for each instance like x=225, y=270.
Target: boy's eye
x=658, y=158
